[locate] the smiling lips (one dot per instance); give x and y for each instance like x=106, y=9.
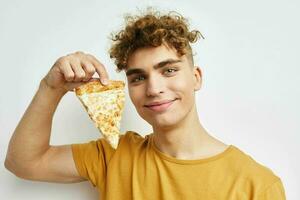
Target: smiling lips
x=160, y=106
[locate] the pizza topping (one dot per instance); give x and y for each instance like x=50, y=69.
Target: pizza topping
x=104, y=105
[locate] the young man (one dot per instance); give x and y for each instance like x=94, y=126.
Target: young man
x=179, y=160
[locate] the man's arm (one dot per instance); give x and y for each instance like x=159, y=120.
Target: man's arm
x=29, y=154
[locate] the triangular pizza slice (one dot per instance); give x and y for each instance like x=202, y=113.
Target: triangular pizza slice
x=104, y=104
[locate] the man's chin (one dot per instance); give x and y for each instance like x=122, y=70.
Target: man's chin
x=163, y=124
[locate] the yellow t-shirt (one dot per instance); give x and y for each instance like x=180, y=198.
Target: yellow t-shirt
x=138, y=170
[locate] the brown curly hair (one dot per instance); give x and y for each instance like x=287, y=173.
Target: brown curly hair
x=152, y=29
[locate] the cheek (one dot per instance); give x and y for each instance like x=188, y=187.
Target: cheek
x=182, y=84
x=184, y=89
x=135, y=95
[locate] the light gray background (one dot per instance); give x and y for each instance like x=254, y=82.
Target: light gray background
x=249, y=59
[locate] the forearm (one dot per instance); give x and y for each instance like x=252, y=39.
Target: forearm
x=31, y=137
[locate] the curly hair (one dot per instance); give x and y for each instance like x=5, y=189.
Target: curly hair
x=152, y=30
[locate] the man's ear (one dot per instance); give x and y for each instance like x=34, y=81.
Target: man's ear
x=197, y=78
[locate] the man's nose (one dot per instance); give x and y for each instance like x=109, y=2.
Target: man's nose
x=154, y=86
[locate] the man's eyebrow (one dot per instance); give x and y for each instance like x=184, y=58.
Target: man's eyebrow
x=156, y=66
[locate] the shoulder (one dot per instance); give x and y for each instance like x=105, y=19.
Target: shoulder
x=130, y=144
x=252, y=171
x=132, y=138
x=251, y=165
x=132, y=135
x=101, y=146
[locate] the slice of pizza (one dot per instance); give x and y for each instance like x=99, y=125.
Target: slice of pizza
x=104, y=104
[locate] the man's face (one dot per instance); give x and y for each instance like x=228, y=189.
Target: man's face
x=161, y=85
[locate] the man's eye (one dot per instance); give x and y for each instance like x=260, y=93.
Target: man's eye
x=170, y=71
x=136, y=79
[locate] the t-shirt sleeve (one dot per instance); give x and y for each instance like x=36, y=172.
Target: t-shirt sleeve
x=91, y=160
x=274, y=192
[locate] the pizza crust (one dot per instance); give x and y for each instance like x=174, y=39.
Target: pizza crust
x=95, y=86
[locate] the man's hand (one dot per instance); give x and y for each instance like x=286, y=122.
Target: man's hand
x=73, y=70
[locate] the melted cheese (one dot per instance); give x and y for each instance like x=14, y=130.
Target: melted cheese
x=105, y=109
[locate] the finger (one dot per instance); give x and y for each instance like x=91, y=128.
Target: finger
x=77, y=68
x=89, y=69
x=67, y=71
x=100, y=70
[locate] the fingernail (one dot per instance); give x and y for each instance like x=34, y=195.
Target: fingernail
x=105, y=81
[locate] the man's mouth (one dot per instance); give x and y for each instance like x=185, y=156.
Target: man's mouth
x=160, y=106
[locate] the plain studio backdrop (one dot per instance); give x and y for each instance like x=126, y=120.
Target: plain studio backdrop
x=249, y=59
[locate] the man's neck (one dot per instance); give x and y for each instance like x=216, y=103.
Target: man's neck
x=188, y=140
